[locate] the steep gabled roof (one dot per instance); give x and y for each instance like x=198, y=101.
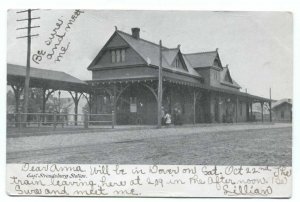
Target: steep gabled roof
x=188, y=65
x=223, y=74
x=170, y=54
x=202, y=59
x=18, y=70
x=282, y=101
x=99, y=54
x=44, y=78
x=149, y=52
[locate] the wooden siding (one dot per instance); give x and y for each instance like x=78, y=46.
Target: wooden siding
x=286, y=109
x=131, y=57
x=180, y=65
x=116, y=41
x=123, y=73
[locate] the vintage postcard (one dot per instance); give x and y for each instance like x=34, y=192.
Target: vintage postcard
x=149, y=103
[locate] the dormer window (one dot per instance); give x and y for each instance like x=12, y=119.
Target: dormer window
x=216, y=75
x=216, y=63
x=117, y=55
x=176, y=62
x=228, y=78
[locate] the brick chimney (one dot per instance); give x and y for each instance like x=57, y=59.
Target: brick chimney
x=135, y=32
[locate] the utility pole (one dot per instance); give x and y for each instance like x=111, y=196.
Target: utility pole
x=159, y=89
x=28, y=36
x=270, y=105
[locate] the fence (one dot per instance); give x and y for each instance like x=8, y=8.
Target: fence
x=56, y=119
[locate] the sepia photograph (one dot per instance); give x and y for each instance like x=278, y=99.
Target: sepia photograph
x=161, y=87
x=145, y=87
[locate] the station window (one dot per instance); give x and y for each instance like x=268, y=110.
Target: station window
x=216, y=75
x=176, y=62
x=113, y=56
x=216, y=63
x=123, y=55
x=118, y=55
x=133, y=104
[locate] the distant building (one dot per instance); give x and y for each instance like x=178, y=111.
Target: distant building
x=67, y=106
x=257, y=115
x=282, y=110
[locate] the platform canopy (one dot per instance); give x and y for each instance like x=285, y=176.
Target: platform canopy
x=50, y=79
x=43, y=78
x=175, y=79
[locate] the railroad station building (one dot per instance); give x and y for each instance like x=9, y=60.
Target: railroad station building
x=124, y=84
x=125, y=80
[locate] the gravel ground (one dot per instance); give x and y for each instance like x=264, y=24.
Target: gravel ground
x=248, y=144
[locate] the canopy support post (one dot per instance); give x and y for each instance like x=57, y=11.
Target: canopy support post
x=76, y=99
x=194, y=107
x=262, y=111
x=17, y=92
x=46, y=96
x=114, y=106
x=270, y=105
x=236, y=109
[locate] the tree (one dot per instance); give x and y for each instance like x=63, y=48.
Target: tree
x=10, y=98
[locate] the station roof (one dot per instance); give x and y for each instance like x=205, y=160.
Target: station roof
x=281, y=102
x=43, y=78
x=50, y=79
x=149, y=52
x=202, y=59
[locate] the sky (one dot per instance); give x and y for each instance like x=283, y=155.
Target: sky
x=258, y=46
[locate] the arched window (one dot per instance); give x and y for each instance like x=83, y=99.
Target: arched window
x=176, y=62
x=216, y=63
x=228, y=78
